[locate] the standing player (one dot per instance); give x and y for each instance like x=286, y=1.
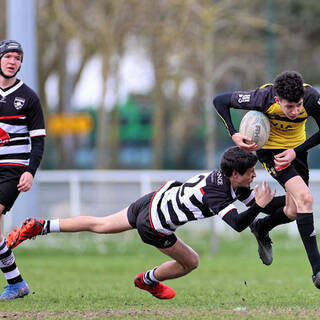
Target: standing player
x=287, y=103
x=21, y=147
x=157, y=215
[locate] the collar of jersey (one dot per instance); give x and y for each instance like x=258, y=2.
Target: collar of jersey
x=233, y=193
x=9, y=91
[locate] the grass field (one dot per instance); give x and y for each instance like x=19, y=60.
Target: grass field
x=86, y=276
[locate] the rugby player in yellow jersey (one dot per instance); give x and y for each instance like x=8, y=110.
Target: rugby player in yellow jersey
x=287, y=103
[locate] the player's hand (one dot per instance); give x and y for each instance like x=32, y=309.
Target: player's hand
x=264, y=196
x=244, y=142
x=25, y=182
x=284, y=158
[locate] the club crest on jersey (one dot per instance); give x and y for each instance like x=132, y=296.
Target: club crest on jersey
x=18, y=102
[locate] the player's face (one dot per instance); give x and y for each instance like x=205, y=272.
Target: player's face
x=10, y=63
x=245, y=179
x=290, y=109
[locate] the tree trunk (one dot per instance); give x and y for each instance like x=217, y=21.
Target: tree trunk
x=102, y=121
x=159, y=112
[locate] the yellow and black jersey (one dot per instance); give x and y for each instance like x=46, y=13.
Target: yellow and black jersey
x=284, y=133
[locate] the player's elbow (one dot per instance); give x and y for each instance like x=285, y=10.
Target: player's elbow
x=239, y=228
x=217, y=100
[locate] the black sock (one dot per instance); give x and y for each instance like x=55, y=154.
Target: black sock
x=15, y=280
x=307, y=233
x=47, y=227
x=267, y=223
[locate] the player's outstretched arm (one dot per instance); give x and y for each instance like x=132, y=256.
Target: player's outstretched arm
x=240, y=221
x=264, y=196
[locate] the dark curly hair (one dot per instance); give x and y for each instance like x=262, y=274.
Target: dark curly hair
x=237, y=159
x=289, y=85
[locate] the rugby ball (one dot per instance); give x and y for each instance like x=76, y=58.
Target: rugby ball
x=256, y=126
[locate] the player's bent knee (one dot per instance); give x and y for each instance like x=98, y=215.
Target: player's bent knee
x=193, y=262
x=291, y=213
x=292, y=216
x=305, y=200
x=308, y=198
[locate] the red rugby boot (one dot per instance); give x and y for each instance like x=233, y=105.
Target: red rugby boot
x=159, y=290
x=28, y=230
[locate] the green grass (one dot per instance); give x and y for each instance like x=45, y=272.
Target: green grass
x=87, y=276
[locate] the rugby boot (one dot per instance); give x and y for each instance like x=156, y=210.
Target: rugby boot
x=28, y=230
x=264, y=244
x=13, y=291
x=159, y=290
x=316, y=280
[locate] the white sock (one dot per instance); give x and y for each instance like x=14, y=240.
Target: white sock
x=149, y=278
x=54, y=225
x=151, y=275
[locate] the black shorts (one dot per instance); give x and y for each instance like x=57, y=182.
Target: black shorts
x=138, y=216
x=9, y=179
x=298, y=167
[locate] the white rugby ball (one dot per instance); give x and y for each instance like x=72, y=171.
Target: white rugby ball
x=256, y=126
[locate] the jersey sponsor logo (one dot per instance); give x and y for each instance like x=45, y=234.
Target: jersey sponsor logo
x=3, y=100
x=18, y=102
x=282, y=127
x=219, y=178
x=244, y=98
x=4, y=137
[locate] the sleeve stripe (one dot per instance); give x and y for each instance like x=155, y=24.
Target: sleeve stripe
x=226, y=210
x=39, y=132
x=249, y=199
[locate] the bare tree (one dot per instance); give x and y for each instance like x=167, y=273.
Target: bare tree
x=217, y=44
x=3, y=20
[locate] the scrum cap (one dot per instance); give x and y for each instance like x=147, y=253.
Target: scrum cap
x=10, y=46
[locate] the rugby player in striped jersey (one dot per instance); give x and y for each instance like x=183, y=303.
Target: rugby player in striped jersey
x=157, y=215
x=22, y=134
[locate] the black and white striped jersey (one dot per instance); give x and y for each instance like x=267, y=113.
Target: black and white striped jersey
x=21, y=119
x=202, y=196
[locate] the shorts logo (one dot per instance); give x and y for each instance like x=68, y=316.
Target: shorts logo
x=18, y=102
x=270, y=169
x=166, y=243
x=313, y=233
x=244, y=98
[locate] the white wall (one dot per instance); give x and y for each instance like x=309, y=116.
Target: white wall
x=93, y=192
